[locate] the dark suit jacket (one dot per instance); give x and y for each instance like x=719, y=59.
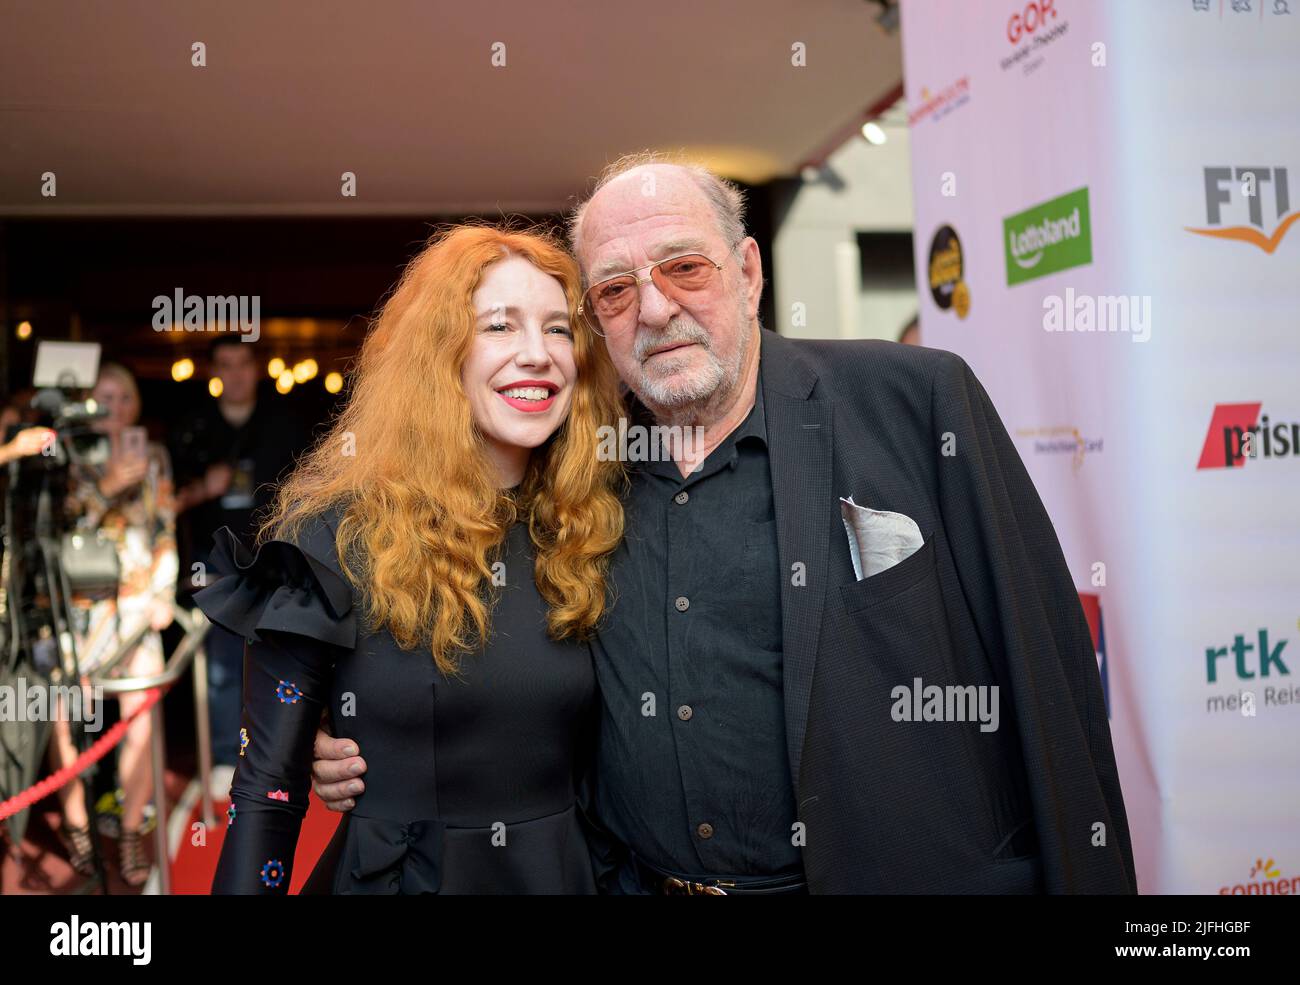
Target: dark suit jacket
x=930, y=807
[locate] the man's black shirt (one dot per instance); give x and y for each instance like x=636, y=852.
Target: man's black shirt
x=693, y=771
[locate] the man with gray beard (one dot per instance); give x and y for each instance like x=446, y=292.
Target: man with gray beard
x=747, y=666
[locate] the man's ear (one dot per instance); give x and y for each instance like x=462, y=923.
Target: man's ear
x=751, y=269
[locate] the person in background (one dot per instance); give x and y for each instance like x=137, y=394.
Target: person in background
x=911, y=334
x=228, y=457
x=128, y=497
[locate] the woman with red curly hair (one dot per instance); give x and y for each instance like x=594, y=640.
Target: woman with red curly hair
x=429, y=575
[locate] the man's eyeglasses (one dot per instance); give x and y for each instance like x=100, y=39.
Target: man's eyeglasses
x=610, y=307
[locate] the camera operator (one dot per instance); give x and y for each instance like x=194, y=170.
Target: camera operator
x=127, y=497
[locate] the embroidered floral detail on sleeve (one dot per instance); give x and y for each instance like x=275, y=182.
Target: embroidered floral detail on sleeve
x=288, y=693
x=243, y=740
x=230, y=815
x=278, y=795
x=272, y=873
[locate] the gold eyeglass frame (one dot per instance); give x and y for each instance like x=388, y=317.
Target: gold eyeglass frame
x=592, y=319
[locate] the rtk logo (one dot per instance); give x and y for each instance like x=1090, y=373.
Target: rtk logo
x=1240, y=649
x=1248, y=182
x=1237, y=433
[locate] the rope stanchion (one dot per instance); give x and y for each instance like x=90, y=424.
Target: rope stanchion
x=94, y=754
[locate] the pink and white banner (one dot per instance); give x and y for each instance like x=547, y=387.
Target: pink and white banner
x=1104, y=212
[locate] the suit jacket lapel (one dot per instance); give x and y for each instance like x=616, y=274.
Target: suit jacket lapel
x=799, y=438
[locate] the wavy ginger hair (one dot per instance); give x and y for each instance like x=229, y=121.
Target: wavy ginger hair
x=422, y=515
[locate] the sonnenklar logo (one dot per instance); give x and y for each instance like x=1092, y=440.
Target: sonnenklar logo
x=936, y=105
x=1052, y=236
x=947, y=287
x=1266, y=879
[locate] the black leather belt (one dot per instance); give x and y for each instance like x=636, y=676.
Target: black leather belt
x=664, y=883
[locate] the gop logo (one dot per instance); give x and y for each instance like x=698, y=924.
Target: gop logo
x=1029, y=20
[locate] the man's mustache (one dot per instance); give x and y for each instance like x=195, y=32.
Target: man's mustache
x=677, y=331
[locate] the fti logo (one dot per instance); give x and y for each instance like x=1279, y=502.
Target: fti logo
x=1238, y=432
x=1092, y=612
x=1239, y=189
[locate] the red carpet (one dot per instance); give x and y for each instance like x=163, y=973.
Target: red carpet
x=195, y=865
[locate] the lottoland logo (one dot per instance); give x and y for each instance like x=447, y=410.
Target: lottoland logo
x=1053, y=236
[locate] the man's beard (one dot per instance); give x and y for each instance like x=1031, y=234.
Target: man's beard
x=695, y=400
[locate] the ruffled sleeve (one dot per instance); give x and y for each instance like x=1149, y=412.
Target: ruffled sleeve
x=287, y=587
x=292, y=604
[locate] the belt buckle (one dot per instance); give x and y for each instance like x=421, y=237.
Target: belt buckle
x=672, y=886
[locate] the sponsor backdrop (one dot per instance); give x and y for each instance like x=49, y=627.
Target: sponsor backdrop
x=1105, y=200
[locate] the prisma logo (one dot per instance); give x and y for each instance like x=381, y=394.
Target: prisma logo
x=1237, y=432
x=1249, y=182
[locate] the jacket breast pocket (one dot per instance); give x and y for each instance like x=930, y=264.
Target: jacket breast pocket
x=892, y=581
x=890, y=651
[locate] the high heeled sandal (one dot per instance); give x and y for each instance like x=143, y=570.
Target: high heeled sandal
x=132, y=862
x=80, y=850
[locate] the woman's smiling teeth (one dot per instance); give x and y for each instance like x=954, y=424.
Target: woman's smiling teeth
x=526, y=392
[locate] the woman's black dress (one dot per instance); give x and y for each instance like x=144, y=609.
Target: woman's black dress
x=473, y=783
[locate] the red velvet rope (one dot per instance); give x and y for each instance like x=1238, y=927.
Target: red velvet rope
x=94, y=754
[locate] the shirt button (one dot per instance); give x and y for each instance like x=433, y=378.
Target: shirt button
x=705, y=830
x=682, y=603
x=681, y=498
x=685, y=713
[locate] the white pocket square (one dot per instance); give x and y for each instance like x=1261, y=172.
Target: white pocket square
x=878, y=539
